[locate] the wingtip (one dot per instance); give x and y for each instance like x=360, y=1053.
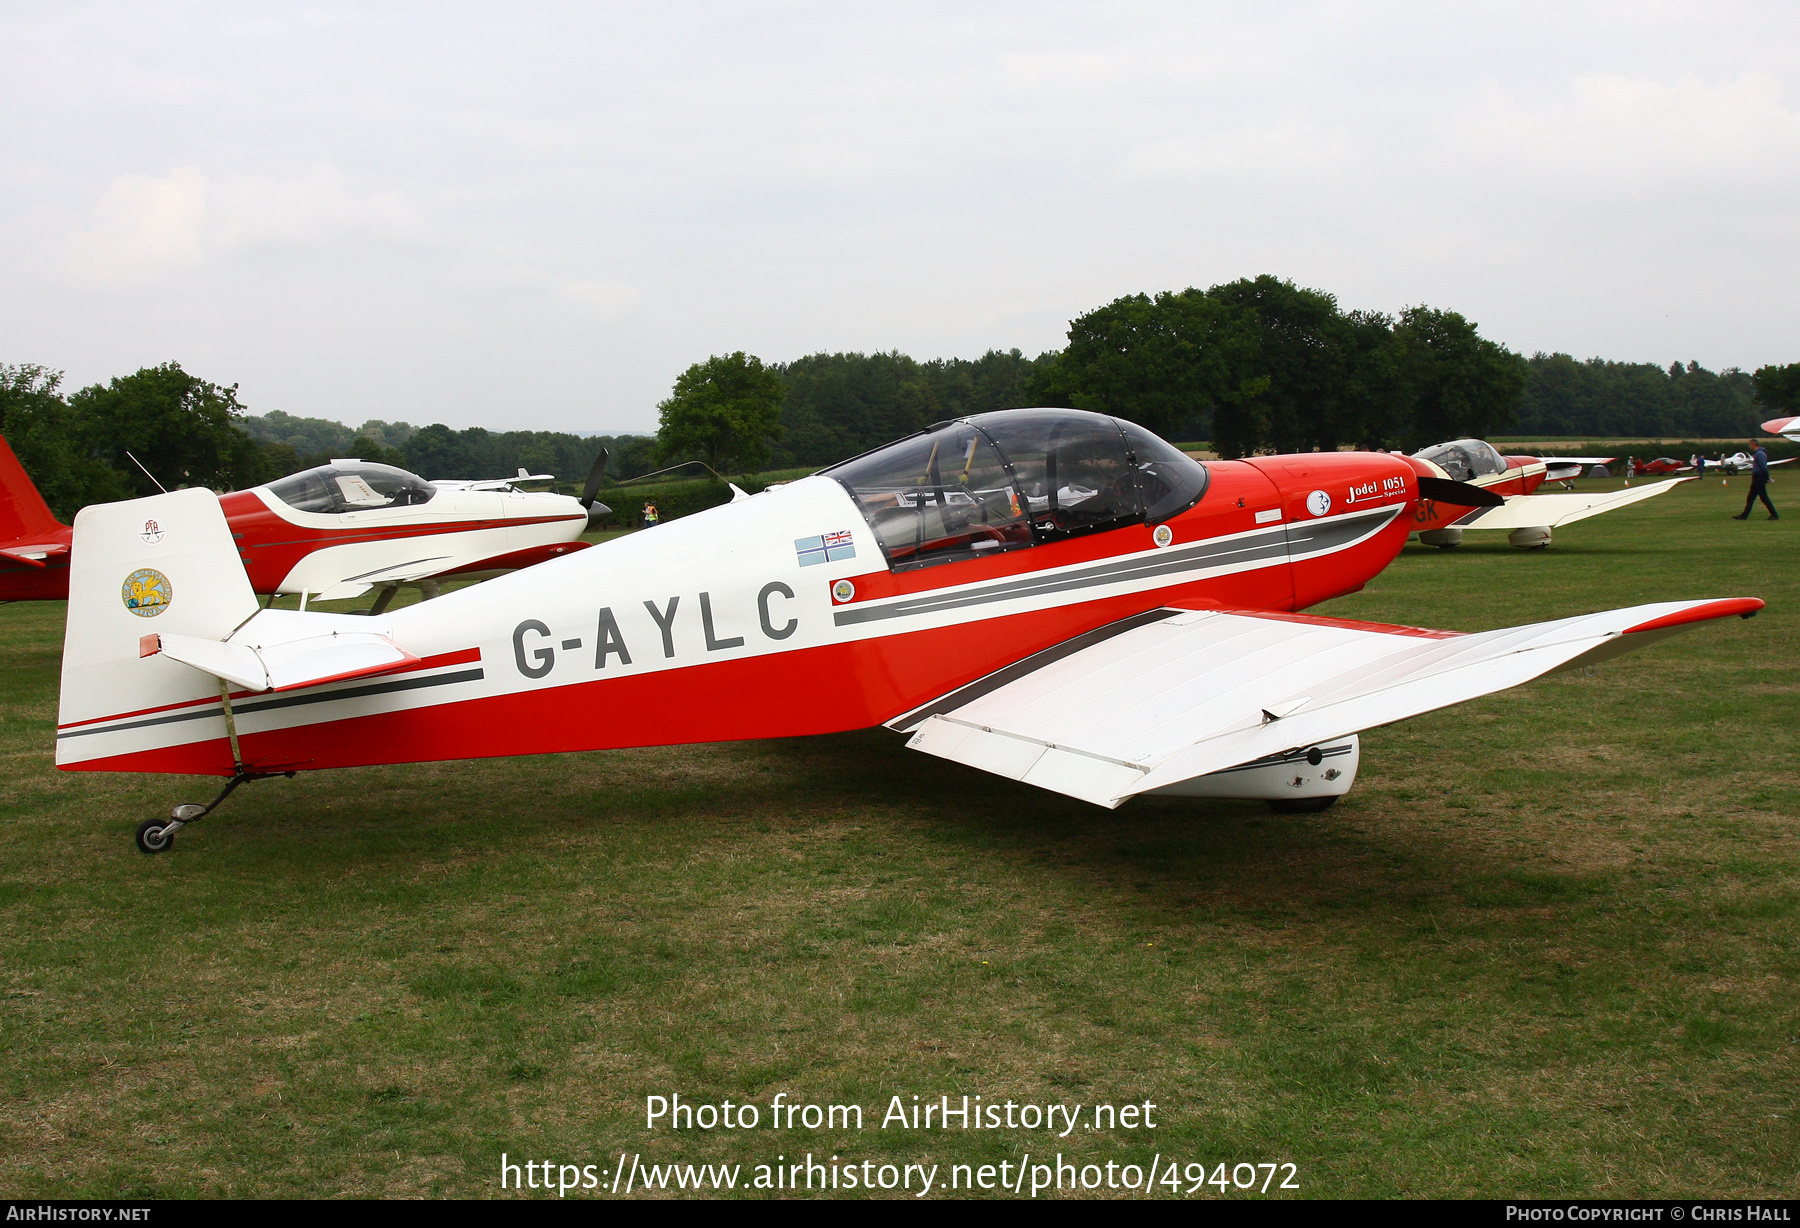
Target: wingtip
x=1704, y=611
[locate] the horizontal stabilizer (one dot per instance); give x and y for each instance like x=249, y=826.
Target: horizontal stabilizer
x=282, y=650
x=34, y=556
x=1553, y=511
x=1199, y=692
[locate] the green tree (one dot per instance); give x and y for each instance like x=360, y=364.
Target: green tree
x=727, y=409
x=1458, y=383
x=1160, y=362
x=51, y=443
x=185, y=430
x=364, y=448
x=1306, y=349
x=1778, y=388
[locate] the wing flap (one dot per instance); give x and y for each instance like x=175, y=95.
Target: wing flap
x=1201, y=692
x=1552, y=511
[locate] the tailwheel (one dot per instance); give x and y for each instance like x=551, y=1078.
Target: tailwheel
x=1302, y=805
x=154, y=836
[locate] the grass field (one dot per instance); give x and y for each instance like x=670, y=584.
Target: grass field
x=1547, y=947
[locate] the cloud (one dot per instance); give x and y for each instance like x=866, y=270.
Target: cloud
x=608, y=299
x=1614, y=136
x=145, y=227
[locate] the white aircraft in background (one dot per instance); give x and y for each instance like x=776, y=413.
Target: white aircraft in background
x=1566, y=469
x=1741, y=462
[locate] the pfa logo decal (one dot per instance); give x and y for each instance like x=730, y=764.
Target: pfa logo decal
x=843, y=591
x=146, y=592
x=1163, y=535
x=1318, y=503
x=152, y=533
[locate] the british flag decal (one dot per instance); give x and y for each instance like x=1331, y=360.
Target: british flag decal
x=825, y=548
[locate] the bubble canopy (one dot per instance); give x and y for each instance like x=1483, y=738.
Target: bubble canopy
x=351, y=486
x=1015, y=478
x=1463, y=459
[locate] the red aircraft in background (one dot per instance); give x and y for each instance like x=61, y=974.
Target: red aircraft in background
x=331, y=532
x=1527, y=517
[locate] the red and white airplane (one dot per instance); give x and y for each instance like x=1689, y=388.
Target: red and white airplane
x=1527, y=517
x=327, y=533
x=1788, y=428
x=1055, y=596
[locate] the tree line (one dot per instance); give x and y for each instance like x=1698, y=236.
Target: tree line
x=1254, y=365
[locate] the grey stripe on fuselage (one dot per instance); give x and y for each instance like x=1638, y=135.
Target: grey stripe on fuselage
x=1266, y=546
x=247, y=707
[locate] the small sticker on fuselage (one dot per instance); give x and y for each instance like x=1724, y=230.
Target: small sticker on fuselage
x=1265, y=517
x=825, y=548
x=842, y=591
x=1163, y=535
x=1318, y=503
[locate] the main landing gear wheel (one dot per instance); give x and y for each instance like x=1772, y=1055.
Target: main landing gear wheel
x=1302, y=805
x=154, y=837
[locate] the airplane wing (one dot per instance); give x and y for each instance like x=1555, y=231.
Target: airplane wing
x=1579, y=460
x=1551, y=511
x=398, y=573
x=1117, y=713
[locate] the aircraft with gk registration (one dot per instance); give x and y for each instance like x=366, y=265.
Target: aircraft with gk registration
x=1055, y=596
x=329, y=533
x=1526, y=516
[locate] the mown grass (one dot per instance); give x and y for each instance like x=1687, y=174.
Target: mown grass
x=1548, y=947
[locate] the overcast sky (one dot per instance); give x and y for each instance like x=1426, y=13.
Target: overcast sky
x=537, y=215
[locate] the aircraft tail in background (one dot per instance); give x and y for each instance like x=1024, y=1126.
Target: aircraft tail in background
x=23, y=513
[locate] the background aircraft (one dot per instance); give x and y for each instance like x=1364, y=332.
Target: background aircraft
x=1566, y=469
x=1788, y=428
x=331, y=532
x=1051, y=595
x=1527, y=517
x=1740, y=462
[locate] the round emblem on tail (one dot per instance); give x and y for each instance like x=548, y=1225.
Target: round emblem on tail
x=843, y=590
x=1318, y=503
x=152, y=533
x=1163, y=535
x=146, y=592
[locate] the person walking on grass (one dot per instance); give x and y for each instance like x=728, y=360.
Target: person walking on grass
x=1759, y=483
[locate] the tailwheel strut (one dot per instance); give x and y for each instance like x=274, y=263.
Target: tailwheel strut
x=158, y=835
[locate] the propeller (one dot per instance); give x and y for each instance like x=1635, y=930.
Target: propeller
x=1459, y=494
x=596, y=475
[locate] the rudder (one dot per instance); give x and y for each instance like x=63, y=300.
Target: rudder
x=23, y=512
x=166, y=564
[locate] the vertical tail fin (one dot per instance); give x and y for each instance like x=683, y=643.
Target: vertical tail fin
x=166, y=564
x=23, y=512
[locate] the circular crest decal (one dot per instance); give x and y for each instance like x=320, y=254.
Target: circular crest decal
x=152, y=532
x=1163, y=535
x=146, y=592
x=1318, y=503
x=843, y=590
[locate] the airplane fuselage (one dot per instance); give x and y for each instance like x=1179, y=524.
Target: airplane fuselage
x=774, y=616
